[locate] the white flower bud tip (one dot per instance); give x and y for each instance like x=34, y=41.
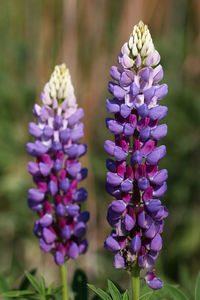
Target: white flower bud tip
x=60, y=86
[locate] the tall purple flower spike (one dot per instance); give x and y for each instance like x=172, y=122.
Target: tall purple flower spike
x=137, y=215
x=57, y=170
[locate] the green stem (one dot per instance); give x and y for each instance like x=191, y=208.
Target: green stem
x=63, y=271
x=135, y=282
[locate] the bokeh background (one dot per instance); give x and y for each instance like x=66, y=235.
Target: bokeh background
x=87, y=35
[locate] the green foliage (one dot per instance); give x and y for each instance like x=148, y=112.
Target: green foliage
x=126, y=296
x=103, y=295
x=197, y=288
x=40, y=291
x=17, y=294
x=25, y=283
x=113, y=290
x=175, y=293
x=114, y=294
x=168, y=292
x=146, y=296
x=35, y=283
x=148, y=293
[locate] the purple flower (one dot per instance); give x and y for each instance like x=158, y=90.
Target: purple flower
x=135, y=244
x=133, y=179
x=111, y=244
x=152, y=281
x=119, y=262
x=73, y=251
x=57, y=170
x=59, y=258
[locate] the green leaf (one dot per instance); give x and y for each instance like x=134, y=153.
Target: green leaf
x=18, y=293
x=197, y=288
x=113, y=290
x=43, y=286
x=49, y=289
x=34, y=282
x=158, y=294
x=148, y=294
x=143, y=297
x=103, y=295
x=145, y=289
x=175, y=293
x=25, y=283
x=125, y=295
x=57, y=289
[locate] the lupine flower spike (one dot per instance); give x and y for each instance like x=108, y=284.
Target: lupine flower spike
x=133, y=179
x=57, y=170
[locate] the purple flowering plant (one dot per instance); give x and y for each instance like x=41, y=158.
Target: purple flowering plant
x=134, y=179
x=57, y=170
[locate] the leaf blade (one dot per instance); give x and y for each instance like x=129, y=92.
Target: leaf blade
x=43, y=286
x=125, y=295
x=17, y=293
x=103, y=295
x=113, y=290
x=143, y=297
x=175, y=293
x=25, y=283
x=50, y=287
x=34, y=282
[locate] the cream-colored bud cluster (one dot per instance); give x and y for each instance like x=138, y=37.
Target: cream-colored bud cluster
x=140, y=41
x=139, y=51
x=60, y=85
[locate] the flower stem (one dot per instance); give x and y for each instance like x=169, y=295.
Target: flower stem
x=63, y=271
x=135, y=283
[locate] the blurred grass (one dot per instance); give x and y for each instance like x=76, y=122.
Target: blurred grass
x=87, y=35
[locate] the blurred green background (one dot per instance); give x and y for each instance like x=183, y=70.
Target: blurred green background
x=88, y=35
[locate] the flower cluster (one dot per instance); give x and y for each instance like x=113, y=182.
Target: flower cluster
x=57, y=170
x=137, y=215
